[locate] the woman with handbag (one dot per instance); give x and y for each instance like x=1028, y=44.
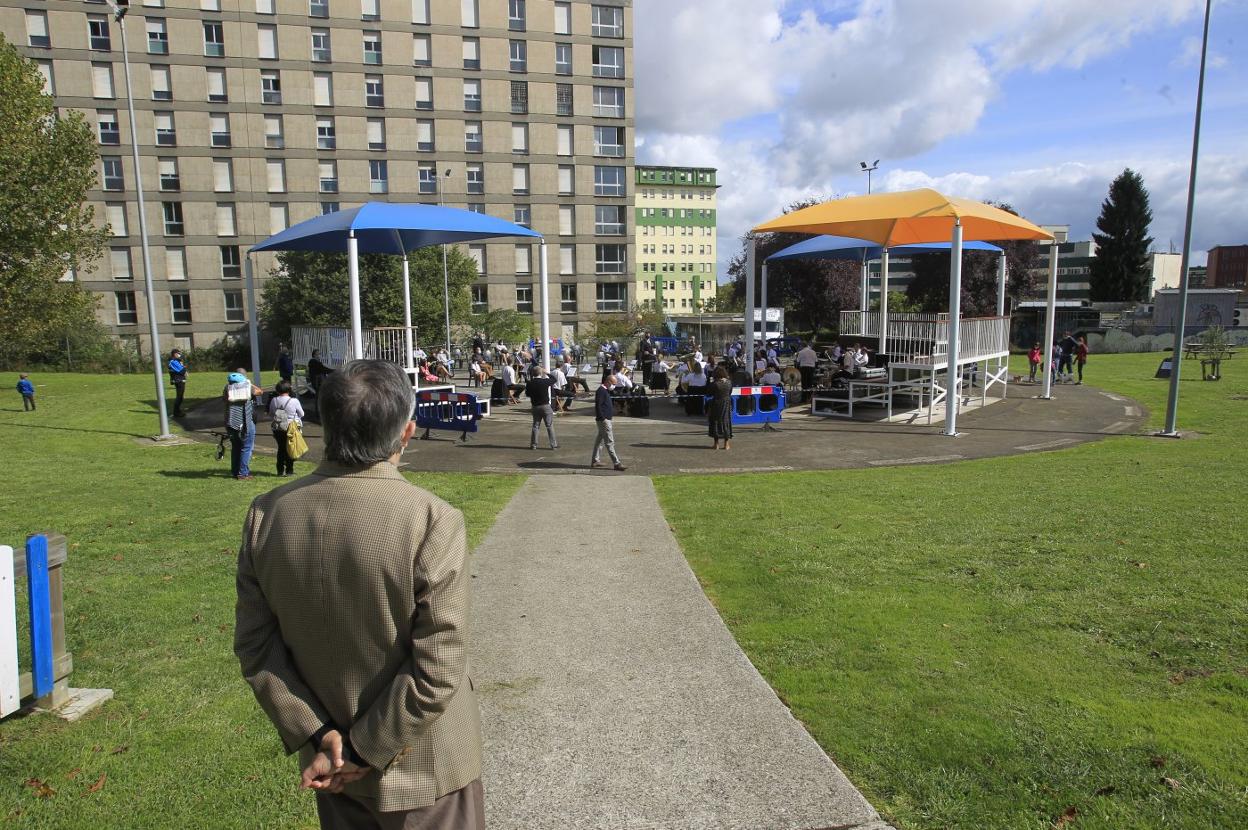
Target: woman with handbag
x=285, y=413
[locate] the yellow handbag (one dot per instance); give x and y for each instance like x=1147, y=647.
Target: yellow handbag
x=295, y=445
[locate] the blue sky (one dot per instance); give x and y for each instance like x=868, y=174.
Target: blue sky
x=1036, y=102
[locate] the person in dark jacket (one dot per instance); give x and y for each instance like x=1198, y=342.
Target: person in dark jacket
x=177, y=376
x=538, y=392
x=719, y=415
x=604, y=410
x=285, y=365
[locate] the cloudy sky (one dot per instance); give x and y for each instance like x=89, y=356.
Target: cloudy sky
x=1039, y=103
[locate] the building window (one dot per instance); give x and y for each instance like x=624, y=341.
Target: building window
x=275, y=172
x=477, y=254
x=515, y=15
x=420, y=12
x=522, y=215
x=170, y=181
x=476, y=207
x=469, y=15
x=119, y=260
x=472, y=137
x=219, y=127
x=608, y=181
x=567, y=220
x=567, y=265
x=217, y=87
x=266, y=42
x=222, y=175
x=520, y=139
x=374, y=91
x=45, y=71
x=519, y=52
x=567, y=298
x=609, y=101
x=607, y=21
x=231, y=262
x=166, y=133
x=424, y=135
x=524, y=299
x=519, y=97
x=472, y=53
x=227, y=224
x=421, y=55
x=214, y=39
x=180, y=307
x=175, y=263
x=567, y=180
x=110, y=132
x=322, y=89
x=612, y=296
x=563, y=99
x=97, y=31
x=563, y=139
x=372, y=48
x=609, y=259
x=472, y=96
x=609, y=141
x=111, y=173
x=563, y=58
x=234, y=306
x=102, y=80
x=427, y=179
x=563, y=18
x=326, y=133
x=265, y=7
x=115, y=213
x=328, y=176
x=424, y=93
x=274, y=139
x=37, y=30
x=279, y=217
x=157, y=36
x=320, y=46
x=270, y=87
x=328, y=207
x=609, y=220
x=210, y=5
x=376, y=133
x=480, y=299
x=608, y=61
x=475, y=179
x=127, y=309
x=378, y=176
x=520, y=178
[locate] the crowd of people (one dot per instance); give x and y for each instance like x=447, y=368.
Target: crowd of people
x=1070, y=354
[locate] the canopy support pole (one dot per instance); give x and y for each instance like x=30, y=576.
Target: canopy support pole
x=1050, y=322
x=1002, y=362
x=407, y=313
x=1001, y=285
x=864, y=296
x=883, y=345
x=446, y=303
x=748, y=342
x=253, y=323
x=953, y=373
x=353, y=278
x=763, y=304
x=541, y=249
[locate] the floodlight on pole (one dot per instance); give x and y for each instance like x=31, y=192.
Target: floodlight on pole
x=119, y=9
x=869, y=169
x=1172, y=401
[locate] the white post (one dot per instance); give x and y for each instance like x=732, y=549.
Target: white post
x=253, y=321
x=953, y=373
x=541, y=252
x=883, y=345
x=748, y=342
x=353, y=272
x=1001, y=361
x=864, y=295
x=446, y=303
x=1050, y=322
x=10, y=680
x=407, y=313
x=763, y=303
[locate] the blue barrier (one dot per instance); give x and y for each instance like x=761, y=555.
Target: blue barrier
x=666, y=345
x=40, y=614
x=757, y=405
x=455, y=411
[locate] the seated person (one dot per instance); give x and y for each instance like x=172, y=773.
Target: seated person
x=861, y=356
x=739, y=375
x=561, y=392
x=835, y=352
x=426, y=376
x=847, y=367
x=623, y=382
x=511, y=381
x=574, y=379
x=771, y=377
x=693, y=387
x=476, y=373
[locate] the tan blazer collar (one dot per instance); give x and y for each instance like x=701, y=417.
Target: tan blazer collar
x=382, y=469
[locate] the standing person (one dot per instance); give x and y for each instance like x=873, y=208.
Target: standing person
x=645, y=357
x=240, y=421
x=285, y=365
x=719, y=415
x=284, y=409
x=604, y=411
x=806, y=362
x=1081, y=357
x=538, y=391
x=352, y=618
x=658, y=373
x=1055, y=368
x=27, y=390
x=177, y=376
x=1069, y=346
x=317, y=370
x=1034, y=358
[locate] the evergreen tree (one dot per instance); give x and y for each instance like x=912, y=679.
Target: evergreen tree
x=1120, y=269
x=49, y=163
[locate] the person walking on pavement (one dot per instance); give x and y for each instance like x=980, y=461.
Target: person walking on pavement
x=1081, y=357
x=604, y=409
x=538, y=392
x=177, y=376
x=285, y=365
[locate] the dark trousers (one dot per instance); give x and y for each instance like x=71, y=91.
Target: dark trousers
x=28, y=403
x=645, y=372
x=180, y=392
x=285, y=465
x=463, y=809
x=808, y=381
x=236, y=452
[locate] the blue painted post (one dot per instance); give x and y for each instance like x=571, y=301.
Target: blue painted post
x=40, y=614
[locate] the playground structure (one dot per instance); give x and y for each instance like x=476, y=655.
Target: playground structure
x=335, y=346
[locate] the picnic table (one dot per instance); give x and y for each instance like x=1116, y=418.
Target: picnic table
x=1210, y=356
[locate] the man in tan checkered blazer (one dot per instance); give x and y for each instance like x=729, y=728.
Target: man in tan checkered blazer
x=353, y=596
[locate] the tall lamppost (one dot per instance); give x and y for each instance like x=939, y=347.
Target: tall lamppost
x=119, y=14
x=869, y=170
x=446, y=280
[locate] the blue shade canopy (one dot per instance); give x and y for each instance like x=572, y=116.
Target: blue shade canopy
x=389, y=228
x=847, y=247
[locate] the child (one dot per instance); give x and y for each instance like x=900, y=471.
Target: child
x=1034, y=358
x=27, y=389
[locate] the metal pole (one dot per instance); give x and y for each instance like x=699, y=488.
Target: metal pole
x=120, y=15
x=883, y=344
x=1050, y=322
x=954, y=373
x=253, y=323
x=763, y=303
x=748, y=343
x=407, y=313
x=1001, y=285
x=545, y=311
x=864, y=294
x=1172, y=402
x=446, y=285
x=353, y=276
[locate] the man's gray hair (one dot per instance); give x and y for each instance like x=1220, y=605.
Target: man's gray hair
x=364, y=407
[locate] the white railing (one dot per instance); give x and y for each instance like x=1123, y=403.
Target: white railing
x=926, y=335
x=978, y=338
x=334, y=344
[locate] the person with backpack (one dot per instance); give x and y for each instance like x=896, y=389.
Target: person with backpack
x=284, y=409
x=240, y=421
x=177, y=376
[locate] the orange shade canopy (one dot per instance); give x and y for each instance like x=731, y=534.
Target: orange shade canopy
x=906, y=217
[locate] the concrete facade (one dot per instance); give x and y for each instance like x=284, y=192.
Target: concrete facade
x=675, y=211
x=253, y=115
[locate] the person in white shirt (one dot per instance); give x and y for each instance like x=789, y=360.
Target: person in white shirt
x=512, y=383
x=284, y=409
x=806, y=361
x=693, y=385
x=622, y=380
x=771, y=377
x=861, y=358
x=697, y=355
x=418, y=354
x=561, y=394
x=658, y=373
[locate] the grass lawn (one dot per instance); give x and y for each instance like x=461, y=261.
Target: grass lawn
x=149, y=603
x=1049, y=640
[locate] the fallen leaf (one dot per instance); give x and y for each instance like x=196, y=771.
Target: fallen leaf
x=1140, y=564
x=223, y=628
x=197, y=618
x=118, y=557
x=1171, y=783
x=1108, y=789
x=73, y=773
x=1067, y=817
x=118, y=750
x=167, y=577
x=98, y=785
x=1178, y=678
x=41, y=789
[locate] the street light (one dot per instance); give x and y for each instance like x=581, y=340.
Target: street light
x=446, y=281
x=869, y=170
x=119, y=14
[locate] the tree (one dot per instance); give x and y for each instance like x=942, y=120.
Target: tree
x=505, y=325
x=929, y=290
x=1120, y=268
x=46, y=227
x=312, y=289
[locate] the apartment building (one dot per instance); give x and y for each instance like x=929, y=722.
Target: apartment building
x=253, y=115
x=675, y=212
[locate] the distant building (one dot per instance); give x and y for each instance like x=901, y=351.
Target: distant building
x=675, y=214
x=1206, y=307
x=1074, y=267
x=1228, y=266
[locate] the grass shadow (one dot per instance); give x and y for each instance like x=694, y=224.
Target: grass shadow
x=92, y=431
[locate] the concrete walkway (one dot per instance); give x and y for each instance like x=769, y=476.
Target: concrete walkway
x=613, y=696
